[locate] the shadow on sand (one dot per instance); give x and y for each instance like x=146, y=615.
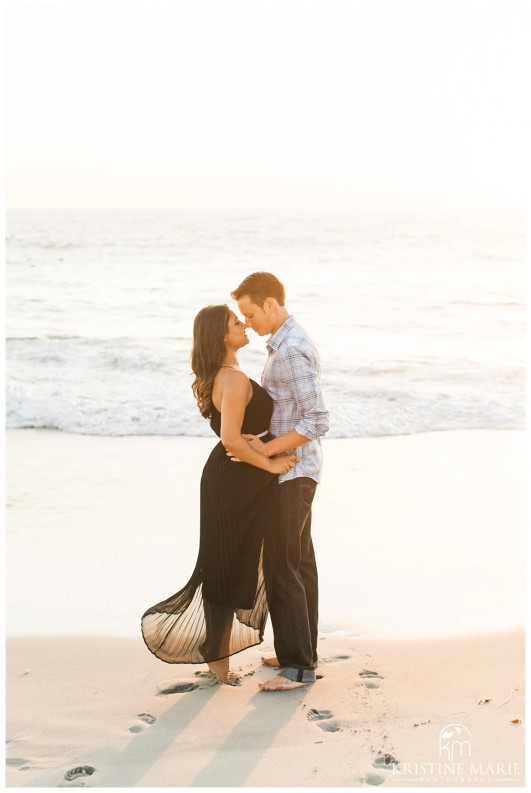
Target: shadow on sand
x=241, y=751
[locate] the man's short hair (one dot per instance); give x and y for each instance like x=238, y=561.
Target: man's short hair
x=258, y=287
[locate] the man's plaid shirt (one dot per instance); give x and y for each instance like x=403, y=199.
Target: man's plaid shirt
x=292, y=378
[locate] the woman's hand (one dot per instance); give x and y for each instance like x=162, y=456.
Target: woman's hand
x=257, y=444
x=281, y=465
x=278, y=465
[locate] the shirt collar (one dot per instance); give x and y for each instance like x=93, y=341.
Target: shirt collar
x=274, y=341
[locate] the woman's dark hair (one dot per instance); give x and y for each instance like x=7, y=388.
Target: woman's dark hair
x=208, y=351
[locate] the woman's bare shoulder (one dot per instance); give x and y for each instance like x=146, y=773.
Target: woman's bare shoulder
x=231, y=381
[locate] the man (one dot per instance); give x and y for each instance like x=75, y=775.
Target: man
x=292, y=378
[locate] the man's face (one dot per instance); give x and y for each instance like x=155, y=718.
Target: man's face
x=259, y=319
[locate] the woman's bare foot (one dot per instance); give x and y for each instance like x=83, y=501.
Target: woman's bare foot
x=232, y=679
x=281, y=683
x=273, y=661
x=221, y=670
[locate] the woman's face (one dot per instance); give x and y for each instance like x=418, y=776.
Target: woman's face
x=235, y=336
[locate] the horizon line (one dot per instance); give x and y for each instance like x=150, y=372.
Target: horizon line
x=421, y=206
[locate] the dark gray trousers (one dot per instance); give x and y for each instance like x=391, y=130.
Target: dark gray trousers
x=291, y=581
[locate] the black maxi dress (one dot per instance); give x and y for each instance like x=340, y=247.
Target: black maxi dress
x=223, y=607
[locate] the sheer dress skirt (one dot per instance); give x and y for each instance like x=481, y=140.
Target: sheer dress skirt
x=222, y=610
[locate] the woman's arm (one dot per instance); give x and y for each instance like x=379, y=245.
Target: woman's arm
x=234, y=398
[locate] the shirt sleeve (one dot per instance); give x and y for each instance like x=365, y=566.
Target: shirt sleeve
x=302, y=372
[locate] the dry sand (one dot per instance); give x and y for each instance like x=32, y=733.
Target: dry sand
x=420, y=549
x=79, y=702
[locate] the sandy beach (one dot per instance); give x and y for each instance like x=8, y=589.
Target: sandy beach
x=88, y=702
x=420, y=550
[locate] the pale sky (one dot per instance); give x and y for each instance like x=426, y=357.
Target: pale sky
x=297, y=104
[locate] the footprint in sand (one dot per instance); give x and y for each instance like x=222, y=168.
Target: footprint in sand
x=79, y=771
x=373, y=779
x=386, y=761
x=324, y=720
x=147, y=718
x=330, y=725
x=17, y=762
x=318, y=715
x=334, y=658
x=368, y=673
x=371, y=678
x=176, y=688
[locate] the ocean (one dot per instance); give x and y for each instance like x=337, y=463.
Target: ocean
x=418, y=315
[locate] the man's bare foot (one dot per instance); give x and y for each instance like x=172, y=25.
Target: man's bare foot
x=221, y=670
x=281, y=683
x=273, y=661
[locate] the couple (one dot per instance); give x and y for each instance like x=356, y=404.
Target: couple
x=255, y=552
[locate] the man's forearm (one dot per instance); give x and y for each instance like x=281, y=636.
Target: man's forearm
x=285, y=443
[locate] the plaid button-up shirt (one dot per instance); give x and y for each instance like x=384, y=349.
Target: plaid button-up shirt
x=292, y=378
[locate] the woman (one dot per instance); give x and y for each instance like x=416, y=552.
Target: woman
x=223, y=609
